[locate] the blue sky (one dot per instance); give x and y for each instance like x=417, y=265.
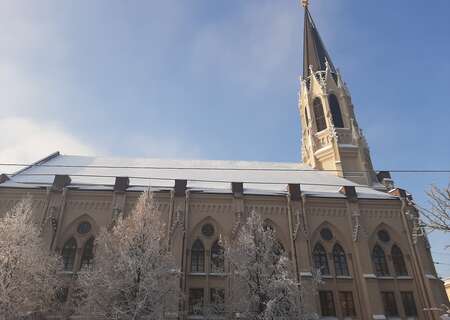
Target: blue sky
x=219, y=80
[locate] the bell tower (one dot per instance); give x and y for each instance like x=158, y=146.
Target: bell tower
x=331, y=137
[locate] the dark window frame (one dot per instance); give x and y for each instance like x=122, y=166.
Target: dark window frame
x=196, y=295
x=88, y=253
x=340, y=261
x=217, y=258
x=320, y=259
x=389, y=304
x=336, y=112
x=327, y=306
x=217, y=305
x=409, y=303
x=379, y=261
x=347, y=303
x=398, y=260
x=198, y=257
x=69, y=254
x=319, y=115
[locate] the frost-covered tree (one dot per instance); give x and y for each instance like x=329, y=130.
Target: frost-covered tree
x=133, y=275
x=437, y=216
x=28, y=270
x=264, y=284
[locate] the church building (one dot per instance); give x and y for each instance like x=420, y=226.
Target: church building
x=331, y=212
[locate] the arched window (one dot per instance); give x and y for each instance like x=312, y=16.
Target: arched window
x=217, y=258
x=69, y=252
x=379, y=261
x=319, y=115
x=320, y=259
x=306, y=116
x=340, y=261
x=198, y=257
x=335, y=111
x=398, y=261
x=88, y=253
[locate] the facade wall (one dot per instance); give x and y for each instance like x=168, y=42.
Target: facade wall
x=354, y=225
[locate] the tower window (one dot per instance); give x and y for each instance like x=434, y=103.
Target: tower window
x=320, y=259
x=335, y=111
x=217, y=258
x=390, y=306
x=88, y=253
x=198, y=257
x=340, y=261
x=327, y=304
x=319, y=115
x=398, y=261
x=306, y=116
x=69, y=252
x=379, y=261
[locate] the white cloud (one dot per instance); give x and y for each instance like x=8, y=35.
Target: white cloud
x=25, y=141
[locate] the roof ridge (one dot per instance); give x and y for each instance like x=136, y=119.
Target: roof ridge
x=41, y=161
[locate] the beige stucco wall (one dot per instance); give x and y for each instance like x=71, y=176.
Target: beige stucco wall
x=225, y=212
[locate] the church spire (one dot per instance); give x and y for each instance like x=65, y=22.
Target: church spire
x=315, y=54
x=331, y=138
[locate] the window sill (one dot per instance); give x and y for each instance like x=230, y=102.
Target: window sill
x=197, y=274
x=385, y=277
x=218, y=274
x=405, y=278
x=344, y=277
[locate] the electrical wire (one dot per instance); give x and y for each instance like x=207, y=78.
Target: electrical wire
x=168, y=178
x=29, y=166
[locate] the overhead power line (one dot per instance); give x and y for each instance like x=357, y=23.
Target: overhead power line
x=189, y=179
x=211, y=168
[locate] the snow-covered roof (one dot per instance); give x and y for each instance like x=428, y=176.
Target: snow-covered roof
x=99, y=173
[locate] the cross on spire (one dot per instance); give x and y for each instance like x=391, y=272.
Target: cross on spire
x=305, y=3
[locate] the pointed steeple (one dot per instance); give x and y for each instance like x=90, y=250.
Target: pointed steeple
x=314, y=52
x=331, y=138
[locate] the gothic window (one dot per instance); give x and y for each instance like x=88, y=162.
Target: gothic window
x=306, y=116
x=320, y=259
x=389, y=304
x=347, y=304
x=409, y=305
x=335, y=111
x=198, y=257
x=340, y=261
x=327, y=304
x=69, y=252
x=217, y=258
x=319, y=115
x=379, y=261
x=88, y=253
x=196, y=300
x=398, y=261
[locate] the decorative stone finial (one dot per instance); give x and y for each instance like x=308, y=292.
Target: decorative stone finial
x=305, y=3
